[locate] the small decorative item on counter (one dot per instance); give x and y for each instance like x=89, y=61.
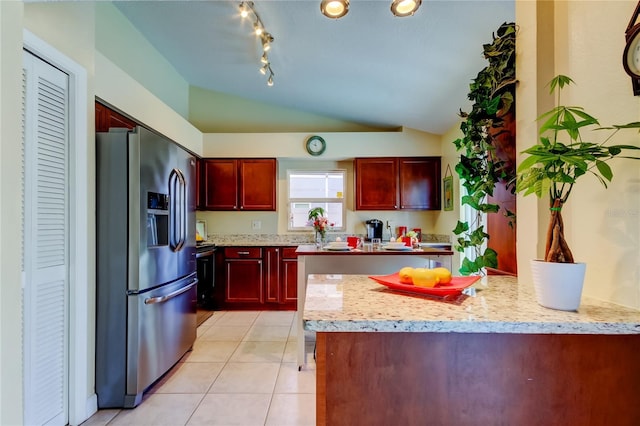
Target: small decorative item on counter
x=413, y=238
x=418, y=232
x=320, y=224
x=353, y=241
x=402, y=231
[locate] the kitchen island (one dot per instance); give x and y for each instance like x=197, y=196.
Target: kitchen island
x=314, y=260
x=489, y=356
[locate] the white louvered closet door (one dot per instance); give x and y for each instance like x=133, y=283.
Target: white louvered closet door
x=46, y=246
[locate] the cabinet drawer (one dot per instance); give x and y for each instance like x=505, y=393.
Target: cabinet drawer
x=243, y=252
x=289, y=252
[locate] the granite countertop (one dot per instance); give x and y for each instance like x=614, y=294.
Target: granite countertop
x=249, y=243
x=311, y=249
x=495, y=304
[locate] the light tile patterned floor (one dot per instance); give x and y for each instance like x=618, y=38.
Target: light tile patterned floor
x=242, y=371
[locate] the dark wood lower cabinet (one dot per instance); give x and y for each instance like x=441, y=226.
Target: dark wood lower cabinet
x=477, y=379
x=260, y=278
x=289, y=277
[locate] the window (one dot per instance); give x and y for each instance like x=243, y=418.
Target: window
x=308, y=189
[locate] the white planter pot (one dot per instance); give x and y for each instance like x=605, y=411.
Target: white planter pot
x=558, y=285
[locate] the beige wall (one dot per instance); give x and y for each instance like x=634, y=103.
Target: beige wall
x=586, y=42
x=340, y=145
x=215, y=112
x=10, y=233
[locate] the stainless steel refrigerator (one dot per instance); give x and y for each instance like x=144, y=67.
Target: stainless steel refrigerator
x=146, y=266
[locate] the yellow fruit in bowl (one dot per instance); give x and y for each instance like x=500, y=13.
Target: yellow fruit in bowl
x=406, y=275
x=443, y=274
x=423, y=277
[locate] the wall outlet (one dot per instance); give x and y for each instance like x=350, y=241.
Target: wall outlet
x=256, y=224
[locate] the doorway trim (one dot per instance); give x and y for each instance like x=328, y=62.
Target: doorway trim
x=82, y=398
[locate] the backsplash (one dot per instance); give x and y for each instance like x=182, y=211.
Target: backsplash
x=299, y=238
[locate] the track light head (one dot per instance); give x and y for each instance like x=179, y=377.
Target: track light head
x=244, y=9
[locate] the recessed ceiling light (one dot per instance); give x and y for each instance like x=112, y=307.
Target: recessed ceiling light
x=334, y=8
x=405, y=7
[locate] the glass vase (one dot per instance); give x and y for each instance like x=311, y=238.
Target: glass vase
x=320, y=240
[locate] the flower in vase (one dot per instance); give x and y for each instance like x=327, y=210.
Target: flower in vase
x=319, y=222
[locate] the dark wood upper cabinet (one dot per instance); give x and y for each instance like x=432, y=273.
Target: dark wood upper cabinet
x=239, y=184
x=107, y=118
x=258, y=179
x=419, y=183
x=220, y=184
x=376, y=184
x=390, y=183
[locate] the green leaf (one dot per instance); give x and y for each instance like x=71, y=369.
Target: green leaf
x=528, y=163
x=490, y=258
x=634, y=125
x=461, y=227
x=604, y=170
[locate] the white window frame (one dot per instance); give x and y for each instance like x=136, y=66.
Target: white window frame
x=316, y=201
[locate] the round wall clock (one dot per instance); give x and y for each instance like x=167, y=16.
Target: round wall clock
x=631, y=55
x=316, y=145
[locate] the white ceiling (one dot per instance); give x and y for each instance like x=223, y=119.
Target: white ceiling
x=368, y=67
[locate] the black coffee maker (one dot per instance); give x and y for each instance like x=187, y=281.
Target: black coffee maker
x=374, y=229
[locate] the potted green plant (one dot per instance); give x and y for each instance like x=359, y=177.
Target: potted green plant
x=552, y=168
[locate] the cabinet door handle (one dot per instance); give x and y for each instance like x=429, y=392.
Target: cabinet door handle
x=243, y=253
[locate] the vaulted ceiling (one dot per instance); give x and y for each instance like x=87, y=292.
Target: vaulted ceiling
x=368, y=67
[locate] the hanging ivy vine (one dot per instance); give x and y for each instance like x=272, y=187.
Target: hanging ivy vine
x=480, y=167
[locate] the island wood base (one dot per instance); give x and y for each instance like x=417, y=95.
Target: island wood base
x=477, y=379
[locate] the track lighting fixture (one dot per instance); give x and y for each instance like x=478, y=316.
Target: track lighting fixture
x=405, y=7
x=247, y=8
x=334, y=8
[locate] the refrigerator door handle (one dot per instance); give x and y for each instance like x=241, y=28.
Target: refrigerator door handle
x=161, y=299
x=178, y=209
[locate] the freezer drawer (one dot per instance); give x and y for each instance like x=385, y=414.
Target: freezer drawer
x=160, y=328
